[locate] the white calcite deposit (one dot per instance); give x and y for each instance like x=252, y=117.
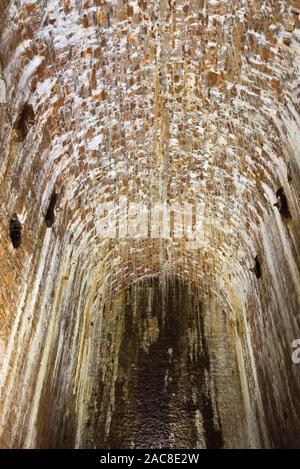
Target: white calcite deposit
x=2, y=92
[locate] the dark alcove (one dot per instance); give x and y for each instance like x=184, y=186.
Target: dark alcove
x=15, y=230
x=24, y=121
x=50, y=214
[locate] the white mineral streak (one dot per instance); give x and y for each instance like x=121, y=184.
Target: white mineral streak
x=2, y=351
x=2, y=92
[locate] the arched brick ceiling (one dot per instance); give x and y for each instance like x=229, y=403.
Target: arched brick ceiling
x=162, y=102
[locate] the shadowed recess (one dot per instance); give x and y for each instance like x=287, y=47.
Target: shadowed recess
x=15, y=230
x=163, y=373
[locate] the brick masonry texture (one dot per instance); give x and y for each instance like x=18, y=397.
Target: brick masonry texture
x=165, y=101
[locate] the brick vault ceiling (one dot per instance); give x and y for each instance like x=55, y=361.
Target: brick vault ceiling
x=169, y=102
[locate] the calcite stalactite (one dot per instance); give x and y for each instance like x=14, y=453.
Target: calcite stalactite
x=167, y=102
